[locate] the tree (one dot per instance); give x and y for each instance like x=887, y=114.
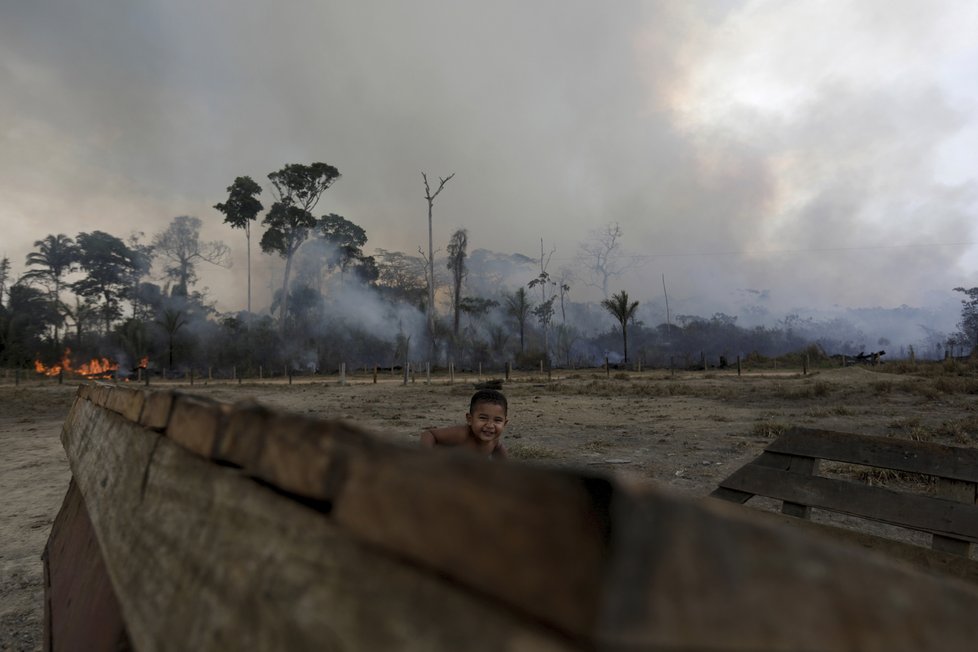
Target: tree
x=240, y=210
x=623, y=311
x=401, y=277
x=142, y=258
x=430, y=198
x=107, y=262
x=456, y=264
x=346, y=238
x=180, y=246
x=297, y=189
x=545, y=311
x=969, y=314
x=518, y=307
x=601, y=257
x=56, y=256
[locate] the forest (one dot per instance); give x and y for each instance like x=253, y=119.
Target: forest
x=96, y=301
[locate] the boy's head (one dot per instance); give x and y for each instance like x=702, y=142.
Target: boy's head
x=493, y=396
x=486, y=417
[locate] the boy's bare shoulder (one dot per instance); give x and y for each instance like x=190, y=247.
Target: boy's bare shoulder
x=450, y=434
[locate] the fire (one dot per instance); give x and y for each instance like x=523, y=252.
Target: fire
x=54, y=370
x=94, y=367
x=143, y=362
x=97, y=367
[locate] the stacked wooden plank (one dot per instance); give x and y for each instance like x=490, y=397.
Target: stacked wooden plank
x=239, y=527
x=789, y=470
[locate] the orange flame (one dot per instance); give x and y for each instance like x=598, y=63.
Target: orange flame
x=95, y=367
x=143, y=362
x=54, y=370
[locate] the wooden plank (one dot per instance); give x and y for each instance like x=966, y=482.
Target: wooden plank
x=156, y=409
x=927, y=514
x=718, y=578
x=81, y=609
x=953, y=462
x=197, y=423
x=125, y=401
x=205, y=558
x=805, y=466
x=963, y=492
x=934, y=562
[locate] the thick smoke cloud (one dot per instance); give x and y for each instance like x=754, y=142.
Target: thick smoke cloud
x=813, y=154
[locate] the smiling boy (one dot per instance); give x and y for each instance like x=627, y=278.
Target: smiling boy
x=483, y=429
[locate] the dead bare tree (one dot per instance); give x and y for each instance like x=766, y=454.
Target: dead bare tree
x=430, y=260
x=601, y=258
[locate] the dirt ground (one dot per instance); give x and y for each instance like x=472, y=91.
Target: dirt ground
x=686, y=431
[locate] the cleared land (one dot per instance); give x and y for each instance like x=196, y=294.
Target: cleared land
x=685, y=431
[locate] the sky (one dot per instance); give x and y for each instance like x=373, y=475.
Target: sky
x=809, y=154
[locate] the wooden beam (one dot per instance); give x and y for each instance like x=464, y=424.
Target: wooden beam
x=923, y=513
x=953, y=462
x=202, y=556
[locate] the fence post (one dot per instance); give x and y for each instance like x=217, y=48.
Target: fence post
x=738, y=365
x=607, y=367
x=805, y=366
x=509, y=368
x=342, y=373
x=407, y=371
x=375, y=374
x=451, y=373
x=427, y=372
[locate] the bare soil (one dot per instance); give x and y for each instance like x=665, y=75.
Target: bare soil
x=685, y=431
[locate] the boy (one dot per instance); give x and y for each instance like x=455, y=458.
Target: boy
x=483, y=429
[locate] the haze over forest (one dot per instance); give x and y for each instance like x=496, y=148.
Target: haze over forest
x=811, y=163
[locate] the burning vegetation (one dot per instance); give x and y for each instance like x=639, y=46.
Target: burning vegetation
x=94, y=368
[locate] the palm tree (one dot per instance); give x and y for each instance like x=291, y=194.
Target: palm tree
x=623, y=311
x=56, y=256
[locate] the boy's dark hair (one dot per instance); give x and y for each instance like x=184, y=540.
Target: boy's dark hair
x=493, y=396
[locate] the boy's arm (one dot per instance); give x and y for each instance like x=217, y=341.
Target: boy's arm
x=449, y=436
x=500, y=451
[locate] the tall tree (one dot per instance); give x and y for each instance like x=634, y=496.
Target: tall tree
x=297, y=189
x=142, y=258
x=430, y=198
x=107, y=263
x=182, y=249
x=622, y=310
x=518, y=306
x=346, y=238
x=457, y=246
x=56, y=256
x=240, y=210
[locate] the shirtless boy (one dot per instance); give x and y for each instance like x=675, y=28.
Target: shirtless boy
x=483, y=429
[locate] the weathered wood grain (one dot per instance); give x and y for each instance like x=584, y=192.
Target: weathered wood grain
x=923, y=513
x=204, y=558
x=81, y=609
x=953, y=462
x=156, y=409
x=433, y=550
x=197, y=423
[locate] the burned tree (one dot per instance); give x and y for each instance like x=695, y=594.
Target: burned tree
x=456, y=265
x=430, y=260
